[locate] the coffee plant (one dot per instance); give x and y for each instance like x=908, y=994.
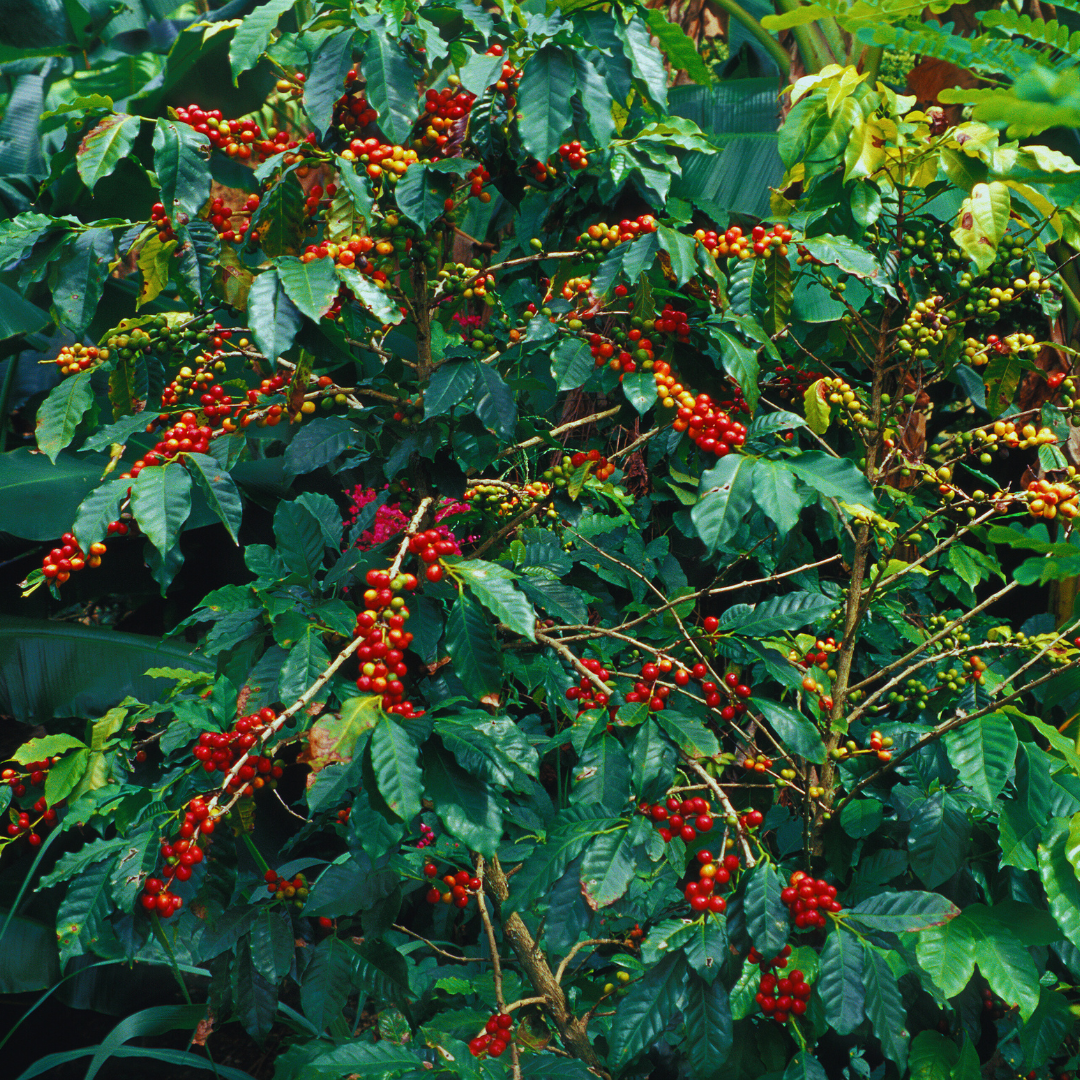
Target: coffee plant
x=617, y=573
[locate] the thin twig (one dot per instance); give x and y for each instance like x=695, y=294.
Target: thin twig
x=560, y=971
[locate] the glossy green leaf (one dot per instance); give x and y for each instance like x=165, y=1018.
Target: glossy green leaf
x=493, y=586
x=396, y=768
x=327, y=981
x=983, y=752
x=326, y=79
x=311, y=286
x=62, y=412
x=472, y=648
x=647, y=1008
x=449, y=385
x=469, y=810
x=840, y=981
x=932, y=1056
x=300, y=538
x=307, y=660
x=318, y=443
x=607, y=869
x=273, y=317
x=938, y=840
x=280, y=218
x=182, y=167
x=947, y=954
x=707, y=1015
x=725, y=500
x=220, y=491
x=160, y=503
x=253, y=35
x=80, y=280
x=902, y=912
x=547, y=85
x=391, y=86
x=765, y=913
x=833, y=477
x=884, y=1006
x=495, y=405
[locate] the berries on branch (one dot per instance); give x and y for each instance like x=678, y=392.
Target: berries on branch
x=458, y=888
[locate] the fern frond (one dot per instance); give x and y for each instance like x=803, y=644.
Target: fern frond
x=1046, y=33
x=993, y=56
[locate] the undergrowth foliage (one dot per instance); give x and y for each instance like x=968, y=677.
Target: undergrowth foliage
x=634, y=679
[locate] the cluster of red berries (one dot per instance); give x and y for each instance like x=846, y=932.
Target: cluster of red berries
x=186, y=436
x=218, y=751
x=382, y=626
x=498, y=1032
x=289, y=889
x=214, y=399
x=350, y=252
x=574, y=156
x=457, y=889
x=181, y=856
x=509, y=77
x=602, y=468
x=162, y=222
x=21, y=822
x=601, y=236
x=681, y=819
x=585, y=692
x=382, y=656
x=808, y=900
x=673, y=322
x=61, y=562
x=477, y=178
x=432, y=546
x=734, y=244
x=879, y=744
x=317, y=195
x=712, y=873
x=603, y=351
x=353, y=110
x=709, y=426
x=752, y=819
x=783, y=997
x=221, y=217
x=427, y=836
x=75, y=358
x=33, y=775
x=237, y=138
x=758, y=764
x=443, y=109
